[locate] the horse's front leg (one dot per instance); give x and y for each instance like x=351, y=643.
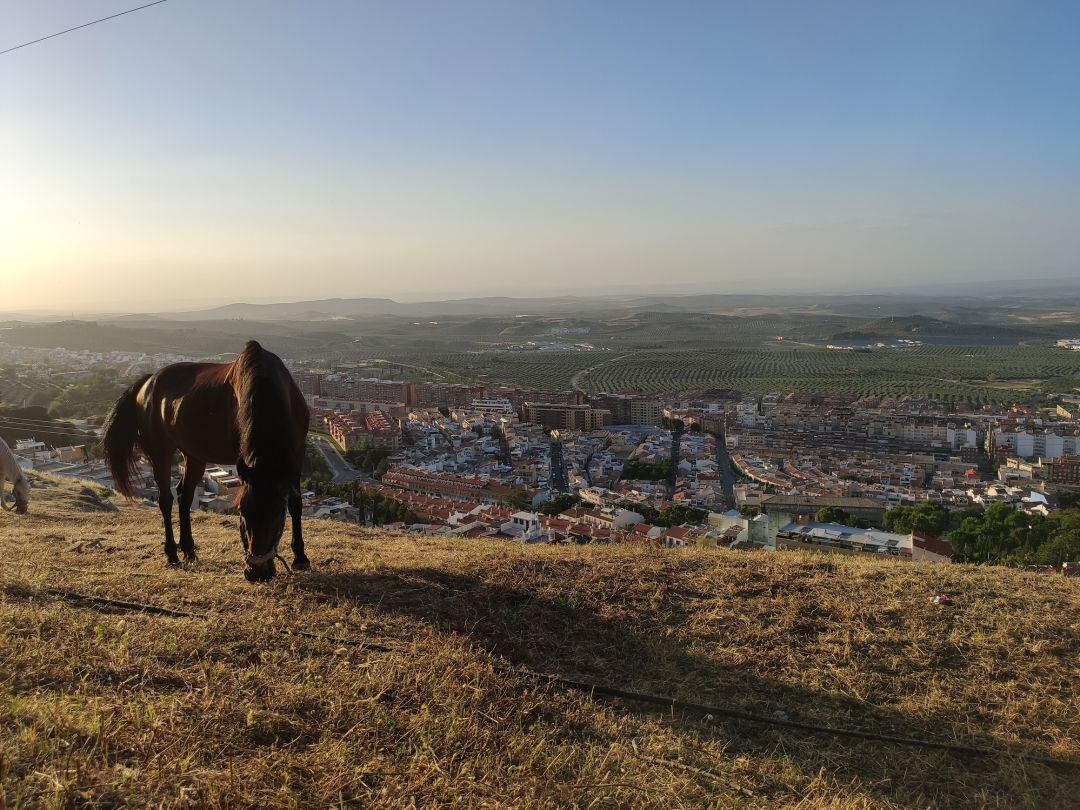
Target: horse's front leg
x=165, y=504
x=193, y=473
x=296, y=509
x=163, y=478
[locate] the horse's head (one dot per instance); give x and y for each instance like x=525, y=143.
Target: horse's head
x=20, y=492
x=262, y=520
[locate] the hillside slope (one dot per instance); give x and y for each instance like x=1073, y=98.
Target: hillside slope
x=100, y=705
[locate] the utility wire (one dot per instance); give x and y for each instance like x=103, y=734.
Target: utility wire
x=45, y=423
x=84, y=25
x=30, y=425
x=35, y=431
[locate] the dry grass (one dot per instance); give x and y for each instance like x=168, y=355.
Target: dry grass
x=109, y=708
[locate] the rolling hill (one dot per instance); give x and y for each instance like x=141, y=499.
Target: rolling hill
x=392, y=674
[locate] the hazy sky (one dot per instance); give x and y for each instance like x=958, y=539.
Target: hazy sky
x=204, y=151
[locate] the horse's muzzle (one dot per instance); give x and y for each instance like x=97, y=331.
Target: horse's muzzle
x=263, y=572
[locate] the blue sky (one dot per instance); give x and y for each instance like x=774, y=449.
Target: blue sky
x=254, y=149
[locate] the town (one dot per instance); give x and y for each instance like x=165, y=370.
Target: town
x=712, y=468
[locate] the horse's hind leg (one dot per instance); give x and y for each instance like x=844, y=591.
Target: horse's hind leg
x=193, y=473
x=296, y=509
x=163, y=478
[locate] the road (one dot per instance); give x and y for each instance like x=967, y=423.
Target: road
x=342, y=470
x=441, y=375
x=575, y=381
x=727, y=477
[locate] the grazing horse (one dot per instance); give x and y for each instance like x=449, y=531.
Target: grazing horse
x=249, y=413
x=20, y=484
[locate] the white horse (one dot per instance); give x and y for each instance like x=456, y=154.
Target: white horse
x=11, y=471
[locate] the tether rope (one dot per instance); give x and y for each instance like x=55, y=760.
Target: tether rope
x=593, y=689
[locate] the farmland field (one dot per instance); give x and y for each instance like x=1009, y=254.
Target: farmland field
x=978, y=374
x=977, y=361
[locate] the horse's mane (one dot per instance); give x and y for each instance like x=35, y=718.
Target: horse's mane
x=266, y=430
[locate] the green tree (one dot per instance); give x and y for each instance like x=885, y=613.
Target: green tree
x=636, y=470
x=833, y=514
x=377, y=508
x=366, y=457
x=1068, y=500
x=1063, y=543
x=91, y=396
x=362, y=504
x=559, y=504
x=314, y=468
x=929, y=517
x=647, y=512
x=1004, y=535
x=518, y=499
x=678, y=515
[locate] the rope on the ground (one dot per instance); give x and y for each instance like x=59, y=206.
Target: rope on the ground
x=593, y=689
x=120, y=604
x=155, y=610
x=349, y=642
x=673, y=704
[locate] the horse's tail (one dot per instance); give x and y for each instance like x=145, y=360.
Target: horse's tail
x=121, y=436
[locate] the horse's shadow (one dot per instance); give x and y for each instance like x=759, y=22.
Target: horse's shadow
x=565, y=637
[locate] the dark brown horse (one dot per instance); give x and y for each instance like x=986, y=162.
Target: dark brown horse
x=249, y=413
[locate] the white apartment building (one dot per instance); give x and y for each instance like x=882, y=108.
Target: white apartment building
x=1038, y=443
x=492, y=405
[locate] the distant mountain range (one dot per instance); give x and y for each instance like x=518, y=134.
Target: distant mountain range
x=951, y=301
x=1033, y=297
x=330, y=308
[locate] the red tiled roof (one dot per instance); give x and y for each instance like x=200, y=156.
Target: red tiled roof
x=935, y=545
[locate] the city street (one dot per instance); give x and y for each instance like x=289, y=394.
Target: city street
x=342, y=471
x=727, y=477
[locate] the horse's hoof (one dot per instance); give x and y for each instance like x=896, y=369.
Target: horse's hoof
x=172, y=563
x=190, y=559
x=301, y=564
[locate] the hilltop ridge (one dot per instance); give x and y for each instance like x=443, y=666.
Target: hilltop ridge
x=103, y=705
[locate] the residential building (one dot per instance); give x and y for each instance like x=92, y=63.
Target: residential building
x=398, y=410
x=472, y=488
x=630, y=409
x=835, y=538
x=373, y=428
x=367, y=389
x=1064, y=471
x=309, y=382
x=519, y=396
x=566, y=417
x=447, y=395
x=866, y=509
x=491, y=405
